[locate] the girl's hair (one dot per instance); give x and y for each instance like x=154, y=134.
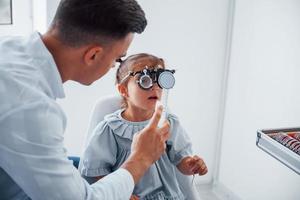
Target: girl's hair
x=132, y=62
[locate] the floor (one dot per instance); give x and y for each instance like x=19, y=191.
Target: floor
x=215, y=192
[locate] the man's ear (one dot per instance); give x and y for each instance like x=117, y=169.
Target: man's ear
x=122, y=90
x=92, y=54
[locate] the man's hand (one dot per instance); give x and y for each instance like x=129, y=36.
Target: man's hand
x=192, y=165
x=147, y=146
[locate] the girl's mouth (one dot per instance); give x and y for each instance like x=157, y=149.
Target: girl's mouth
x=153, y=98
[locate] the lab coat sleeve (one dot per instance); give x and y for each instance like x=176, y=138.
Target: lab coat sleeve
x=33, y=154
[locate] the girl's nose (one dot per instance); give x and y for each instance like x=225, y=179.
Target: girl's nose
x=155, y=87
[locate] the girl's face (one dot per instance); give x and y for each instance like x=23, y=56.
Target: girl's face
x=140, y=99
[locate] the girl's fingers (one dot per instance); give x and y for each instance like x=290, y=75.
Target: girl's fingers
x=198, y=166
x=202, y=172
x=203, y=169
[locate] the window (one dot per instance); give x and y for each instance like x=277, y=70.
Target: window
x=5, y=11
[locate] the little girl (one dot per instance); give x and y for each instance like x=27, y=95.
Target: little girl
x=110, y=144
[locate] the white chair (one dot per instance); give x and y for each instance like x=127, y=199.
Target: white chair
x=109, y=104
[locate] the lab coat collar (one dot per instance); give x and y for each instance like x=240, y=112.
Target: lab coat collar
x=49, y=69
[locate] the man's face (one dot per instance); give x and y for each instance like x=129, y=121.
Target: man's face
x=102, y=65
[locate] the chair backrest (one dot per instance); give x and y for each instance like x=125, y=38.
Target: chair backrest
x=104, y=106
x=109, y=104
x=75, y=160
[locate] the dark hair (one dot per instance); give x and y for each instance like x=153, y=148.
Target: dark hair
x=131, y=62
x=85, y=21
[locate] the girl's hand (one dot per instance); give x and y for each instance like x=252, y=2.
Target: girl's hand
x=133, y=197
x=192, y=165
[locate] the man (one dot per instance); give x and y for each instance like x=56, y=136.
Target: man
x=82, y=44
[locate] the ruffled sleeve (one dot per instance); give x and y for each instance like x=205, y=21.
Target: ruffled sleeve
x=179, y=143
x=100, y=153
x=109, y=145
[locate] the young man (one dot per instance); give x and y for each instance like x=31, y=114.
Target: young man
x=82, y=44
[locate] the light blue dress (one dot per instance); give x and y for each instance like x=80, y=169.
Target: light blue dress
x=110, y=146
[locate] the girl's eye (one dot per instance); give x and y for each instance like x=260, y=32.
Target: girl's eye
x=145, y=82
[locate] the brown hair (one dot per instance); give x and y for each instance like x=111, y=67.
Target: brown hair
x=133, y=61
x=83, y=22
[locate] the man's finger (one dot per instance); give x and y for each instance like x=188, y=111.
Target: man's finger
x=156, y=116
x=164, y=130
x=165, y=136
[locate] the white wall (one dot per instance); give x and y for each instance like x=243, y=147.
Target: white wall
x=191, y=36
x=28, y=16
x=51, y=8
x=263, y=92
x=39, y=13
x=22, y=19
x=43, y=13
